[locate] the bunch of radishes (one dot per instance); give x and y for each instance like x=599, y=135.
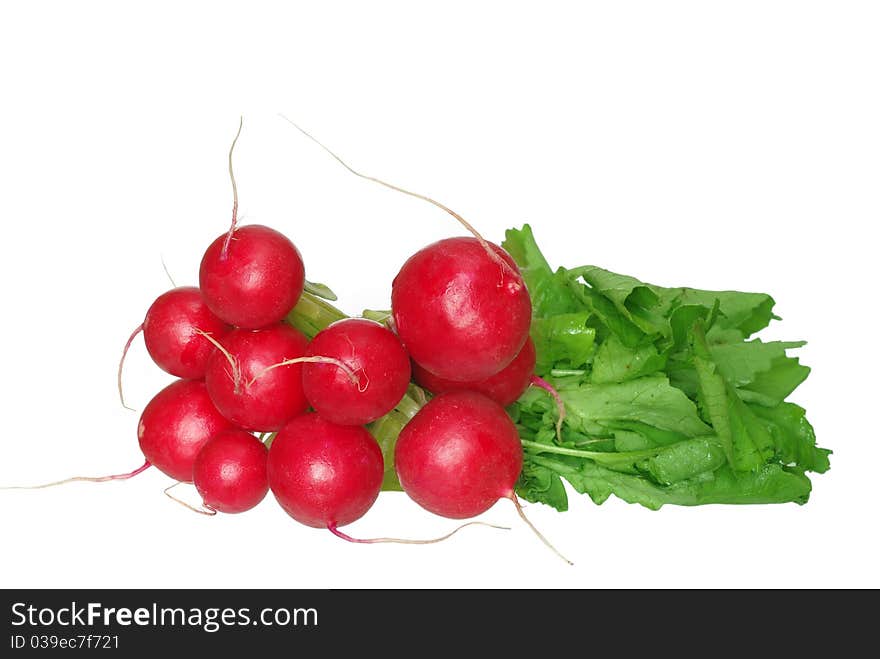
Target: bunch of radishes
x=462, y=316
x=260, y=407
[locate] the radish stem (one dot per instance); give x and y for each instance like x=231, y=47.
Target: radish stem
x=560, y=404
x=319, y=290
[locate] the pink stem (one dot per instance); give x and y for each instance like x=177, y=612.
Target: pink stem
x=560, y=404
x=88, y=479
x=128, y=343
x=339, y=534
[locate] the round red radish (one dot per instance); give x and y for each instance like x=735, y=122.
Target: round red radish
x=377, y=377
x=460, y=314
x=230, y=471
x=175, y=425
x=257, y=281
x=246, y=382
x=324, y=474
x=504, y=387
x=459, y=454
x=171, y=336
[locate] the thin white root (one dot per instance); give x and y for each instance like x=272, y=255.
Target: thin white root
x=232, y=227
x=167, y=273
x=405, y=541
x=205, y=509
x=505, y=266
x=82, y=479
x=354, y=377
x=128, y=343
x=519, y=509
x=233, y=362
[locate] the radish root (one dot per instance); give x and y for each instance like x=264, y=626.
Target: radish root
x=505, y=266
x=83, y=479
x=205, y=509
x=232, y=226
x=140, y=328
x=354, y=377
x=233, y=362
x=404, y=541
x=522, y=514
x=560, y=404
x=167, y=273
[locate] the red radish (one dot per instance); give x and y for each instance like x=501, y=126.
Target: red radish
x=248, y=384
x=174, y=329
x=378, y=361
x=250, y=276
x=459, y=455
x=175, y=425
x=230, y=472
x=170, y=332
x=324, y=474
x=256, y=281
x=504, y=387
x=459, y=314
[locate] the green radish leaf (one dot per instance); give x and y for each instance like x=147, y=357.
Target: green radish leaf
x=668, y=399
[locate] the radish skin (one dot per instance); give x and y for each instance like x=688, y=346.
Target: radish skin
x=257, y=281
x=247, y=384
x=375, y=356
x=457, y=316
x=229, y=472
x=505, y=387
x=175, y=425
x=459, y=455
x=324, y=474
x=174, y=330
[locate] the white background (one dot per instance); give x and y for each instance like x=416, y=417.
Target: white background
x=720, y=145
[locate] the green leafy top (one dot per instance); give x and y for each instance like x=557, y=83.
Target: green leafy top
x=667, y=399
